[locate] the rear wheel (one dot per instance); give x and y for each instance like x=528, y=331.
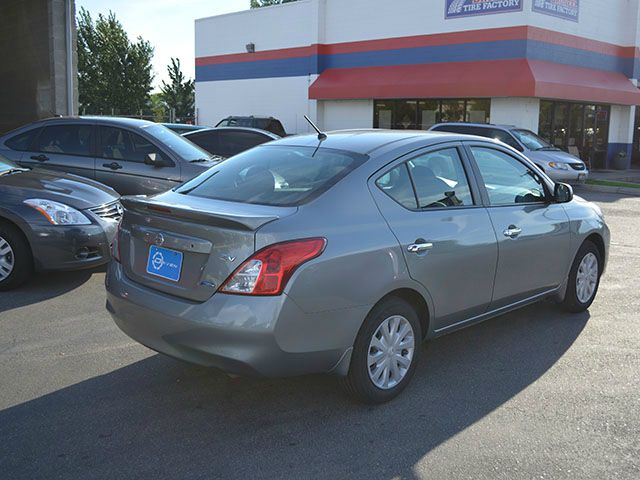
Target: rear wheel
x=584, y=279
x=385, y=352
x=15, y=258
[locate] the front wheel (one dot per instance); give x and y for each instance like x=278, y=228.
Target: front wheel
x=15, y=258
x=385, y=352
x=584, y=279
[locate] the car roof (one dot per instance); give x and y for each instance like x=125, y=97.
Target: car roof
x=469, y=124
x=249, y=116
x=184, y=125
x=366, y=141
x=123, y=121
x=242, y=129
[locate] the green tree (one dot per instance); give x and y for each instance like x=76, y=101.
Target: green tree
x=113, y=72
x=268, y=3
x=179, y=93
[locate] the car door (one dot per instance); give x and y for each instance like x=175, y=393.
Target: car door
x=533, y=232
x=67, y=147
x=433, y=207
x=121, y=163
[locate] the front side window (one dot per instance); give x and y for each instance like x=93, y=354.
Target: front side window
x=507, y=180
x=531, y=140
x=175, y=142
x=274, y=175
x=66, y=140
x=120, y=144
x=440, y=180
x=504, y=137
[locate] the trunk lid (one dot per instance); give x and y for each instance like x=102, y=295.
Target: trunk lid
x=188, y=246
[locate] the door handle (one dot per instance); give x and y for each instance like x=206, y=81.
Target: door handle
x=512, y=231
x=40, y=158
x=419, y=247
x=112, y=165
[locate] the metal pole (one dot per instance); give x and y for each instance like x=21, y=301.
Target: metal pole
x=69, y=47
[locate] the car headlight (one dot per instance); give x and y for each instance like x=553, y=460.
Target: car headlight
x=58, y=213
x=559, y=166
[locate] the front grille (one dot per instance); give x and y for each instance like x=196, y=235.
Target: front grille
x=111, y=211
x=577, y=166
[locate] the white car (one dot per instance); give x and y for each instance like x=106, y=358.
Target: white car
x=559, y=165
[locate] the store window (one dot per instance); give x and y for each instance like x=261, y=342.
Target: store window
x=422, y=114
x=580, y=129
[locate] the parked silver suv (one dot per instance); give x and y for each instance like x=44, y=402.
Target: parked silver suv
x=556, y=163
x=129, y=155
x=342, y=255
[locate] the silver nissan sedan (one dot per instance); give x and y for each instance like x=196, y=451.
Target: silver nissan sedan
x=342, y=254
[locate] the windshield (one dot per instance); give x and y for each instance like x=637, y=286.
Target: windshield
x=274, y=175
x=6, y=164
x=178, y=144
x=531, y=140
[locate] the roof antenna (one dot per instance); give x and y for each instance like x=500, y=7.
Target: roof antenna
x=321, y=136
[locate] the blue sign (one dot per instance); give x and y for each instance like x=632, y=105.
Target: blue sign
x=164, y=262
x=567, y=9
x=467, y=8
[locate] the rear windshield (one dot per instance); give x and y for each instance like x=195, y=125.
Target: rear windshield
x=274, y=175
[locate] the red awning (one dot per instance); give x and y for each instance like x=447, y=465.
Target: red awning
x=495, y=78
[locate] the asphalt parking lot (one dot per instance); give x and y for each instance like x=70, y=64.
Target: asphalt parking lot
x=533, y=394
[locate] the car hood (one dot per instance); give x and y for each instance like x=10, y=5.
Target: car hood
x=72, y=190
x=553, y=156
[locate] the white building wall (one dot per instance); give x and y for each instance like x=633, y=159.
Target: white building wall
x=521, y=112
x=345, y=114
x=283, y=26
x=622, y=124
x=283, y=98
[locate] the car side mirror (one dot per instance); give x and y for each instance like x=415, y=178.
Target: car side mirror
x=155, y=159
x=562, y=193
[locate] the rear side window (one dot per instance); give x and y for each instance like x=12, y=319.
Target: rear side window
x=397, y=184
x=66, y=140
x=274, y=175
x=438, y=178
x=233, y=142
x=208, y=140
x=22, y=141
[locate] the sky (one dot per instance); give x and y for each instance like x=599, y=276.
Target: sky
x=167, y=24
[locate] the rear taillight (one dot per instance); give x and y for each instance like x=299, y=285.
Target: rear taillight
x=115, y=246
x=268, y=270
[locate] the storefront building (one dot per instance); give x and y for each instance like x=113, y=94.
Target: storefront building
x=566, y=69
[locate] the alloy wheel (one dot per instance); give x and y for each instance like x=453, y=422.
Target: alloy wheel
x=587, y=278
x=7, y=259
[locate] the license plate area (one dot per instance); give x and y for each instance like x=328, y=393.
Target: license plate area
x=164, y=263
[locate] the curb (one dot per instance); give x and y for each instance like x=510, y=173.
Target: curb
x=635, y=192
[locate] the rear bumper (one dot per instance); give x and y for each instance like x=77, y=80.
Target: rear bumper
x=57, y=247
x=237, y=334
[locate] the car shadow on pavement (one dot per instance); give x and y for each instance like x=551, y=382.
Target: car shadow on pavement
x=161, y=418
x=44, y=286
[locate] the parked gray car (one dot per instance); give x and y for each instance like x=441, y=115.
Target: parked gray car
x=556, y=163
x=342, y=255
x=52, y=221
x=225, y=142
x=132, y=156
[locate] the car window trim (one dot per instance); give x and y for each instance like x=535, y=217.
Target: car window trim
x=407, y=157
x=518, y=157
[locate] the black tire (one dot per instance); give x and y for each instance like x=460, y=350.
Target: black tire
x=23, y=262
x=571, y=302
x=358, y=382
